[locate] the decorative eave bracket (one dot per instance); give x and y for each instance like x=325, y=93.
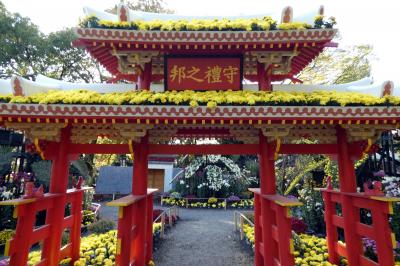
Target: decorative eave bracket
x=84, y=133
x=365, y=132
x=133, y=62
x=279, y=62
x=47, y=131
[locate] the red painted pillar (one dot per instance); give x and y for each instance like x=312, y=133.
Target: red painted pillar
x=267, y=167
x=124, y=235
x=139, y=187
x=383, y=234
x=264, y=77
x=331, y=231
x=284, y=235
x=58, y=185
x=25, y=225
x=145, y=77
x=149, y=229
x=351, y=215
x=258, y=260
x=75, y=234
x=347, y=176
x=267, y=186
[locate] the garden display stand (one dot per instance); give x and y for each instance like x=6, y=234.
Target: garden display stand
x=62, y=125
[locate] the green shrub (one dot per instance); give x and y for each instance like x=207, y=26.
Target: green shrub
x=212, y=200
x=6, y=218
x=102, y=226
x=88, y=199
x=175, y=195
x=5, y=235
x=65, y=238
x=88, y=217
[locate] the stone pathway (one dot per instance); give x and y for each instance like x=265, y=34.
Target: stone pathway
x=202, y=237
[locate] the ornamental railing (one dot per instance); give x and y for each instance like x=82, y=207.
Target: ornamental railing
x=27, y=234
x=166, y=217
x=348, y=219
x=239, y=219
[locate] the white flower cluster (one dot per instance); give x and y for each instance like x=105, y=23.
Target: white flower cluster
x=6, y=195
x=307, y=197
x=202, y=185
x=193, y=167
x=220, y=171
x=216, y=177
x=391, y=185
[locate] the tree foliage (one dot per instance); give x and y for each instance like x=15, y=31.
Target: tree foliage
x=26, y=51
x=339, y=66
x=154, y=6
x=6, y=157
x=21, y=46
x=42, y=170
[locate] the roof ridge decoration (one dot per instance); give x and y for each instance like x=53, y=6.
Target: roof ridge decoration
x=133, y=20
x=287, y=15
x=125, y=14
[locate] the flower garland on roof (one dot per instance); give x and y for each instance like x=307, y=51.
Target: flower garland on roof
x=255, y=24
x=210, y=99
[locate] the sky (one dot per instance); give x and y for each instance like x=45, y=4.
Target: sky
x=360, y=22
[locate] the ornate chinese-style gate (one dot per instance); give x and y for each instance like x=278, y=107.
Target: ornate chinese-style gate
x=265, y=137
x=60, y=132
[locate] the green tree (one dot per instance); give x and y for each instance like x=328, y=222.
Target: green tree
x=42, y=171
x=333, y=66
x=336, y=66
x=155, y=6
x=69, y=63
x=26, y=51
x=21, y=45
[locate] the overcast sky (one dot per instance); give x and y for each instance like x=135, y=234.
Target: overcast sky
x=360, y=22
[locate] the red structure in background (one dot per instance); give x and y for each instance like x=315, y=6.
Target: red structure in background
x=61, y=132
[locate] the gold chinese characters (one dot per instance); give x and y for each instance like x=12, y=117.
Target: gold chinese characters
x=213, y=74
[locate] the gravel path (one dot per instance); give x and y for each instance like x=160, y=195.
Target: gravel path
x=202, y=237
